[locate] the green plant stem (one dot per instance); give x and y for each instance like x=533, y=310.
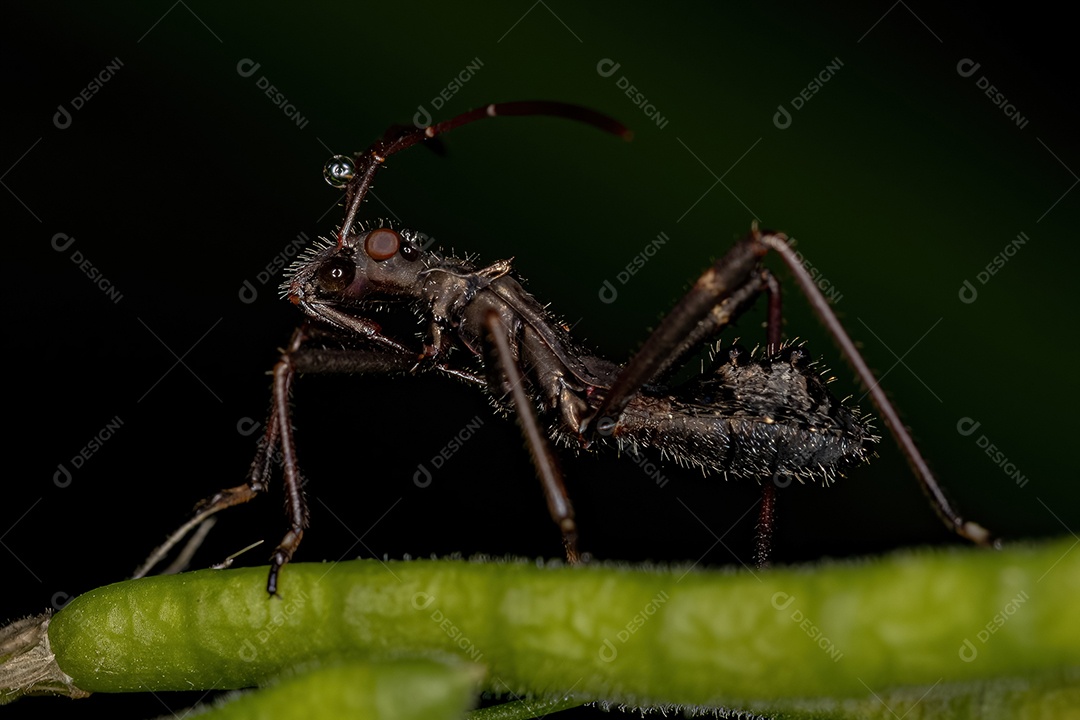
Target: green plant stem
x=632, y=636
x=395, y=690
x=525, y=709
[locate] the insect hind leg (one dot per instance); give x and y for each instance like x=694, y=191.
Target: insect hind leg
x=767, y=510
x=927, y=481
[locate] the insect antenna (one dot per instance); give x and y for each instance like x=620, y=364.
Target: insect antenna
x=356, y=174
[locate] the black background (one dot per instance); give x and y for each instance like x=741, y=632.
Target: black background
x=179, y=180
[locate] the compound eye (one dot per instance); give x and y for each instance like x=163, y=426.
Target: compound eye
x=336, y=274
x=382, y=244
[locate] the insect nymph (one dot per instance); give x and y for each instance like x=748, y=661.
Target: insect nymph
x=766, y=418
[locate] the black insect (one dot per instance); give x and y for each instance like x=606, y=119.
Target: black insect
x=769, y=418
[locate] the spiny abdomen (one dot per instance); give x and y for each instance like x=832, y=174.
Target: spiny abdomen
x=754, y=419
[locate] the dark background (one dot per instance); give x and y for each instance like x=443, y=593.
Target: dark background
x=179, y=180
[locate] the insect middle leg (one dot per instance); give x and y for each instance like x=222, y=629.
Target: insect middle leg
x=509, y=376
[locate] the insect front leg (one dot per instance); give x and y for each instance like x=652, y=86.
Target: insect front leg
x=295, y=503
x=277, y=445
x=203, y=511
x=257, y=482
x=298, y=359
x=258, y=474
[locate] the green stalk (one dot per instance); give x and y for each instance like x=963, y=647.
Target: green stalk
x=621, y=635
x=397, y=690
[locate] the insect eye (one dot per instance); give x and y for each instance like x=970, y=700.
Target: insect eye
x=409, y=251
x=382, y=244
x=336, y=274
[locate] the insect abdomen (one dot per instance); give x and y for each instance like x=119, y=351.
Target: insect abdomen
x=754, y=419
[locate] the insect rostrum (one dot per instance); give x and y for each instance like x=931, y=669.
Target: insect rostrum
x=769, y=418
